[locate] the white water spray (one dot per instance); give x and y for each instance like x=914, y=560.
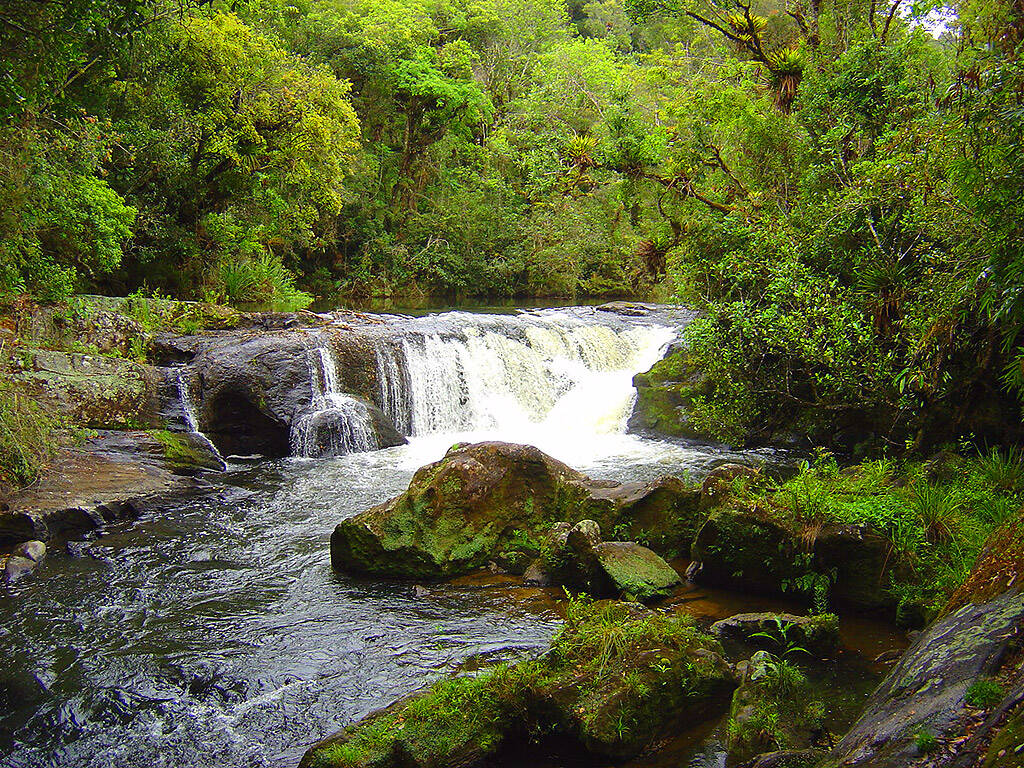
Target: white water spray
x=557, y=383
x=336, y=423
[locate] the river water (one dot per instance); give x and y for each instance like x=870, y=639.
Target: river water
x=212, y=631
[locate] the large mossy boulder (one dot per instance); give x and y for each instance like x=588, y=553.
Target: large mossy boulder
x=617, y=679
x=489, y=500
x=664, y=395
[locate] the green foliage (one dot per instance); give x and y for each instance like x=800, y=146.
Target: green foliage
x=926, y=742
x=985, y=693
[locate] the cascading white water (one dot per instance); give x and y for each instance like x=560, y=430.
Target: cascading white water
x=188, y=410
x=336, y=423
x=546, y=381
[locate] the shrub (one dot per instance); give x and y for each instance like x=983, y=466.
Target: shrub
x=984, y=693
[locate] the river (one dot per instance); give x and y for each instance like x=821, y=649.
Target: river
x=212, y=631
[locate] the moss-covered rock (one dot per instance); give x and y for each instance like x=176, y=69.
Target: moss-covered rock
x=616, y=679
x=774, y=709
x=664, y=395
x=487, y=500
x=818, y=635
x=186, y=451
x=749, y=548
x=634, y=571
x=91, y=390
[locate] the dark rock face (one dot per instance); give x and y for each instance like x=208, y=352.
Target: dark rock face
x=925, y=690
x=461, y=512
x=252, y=389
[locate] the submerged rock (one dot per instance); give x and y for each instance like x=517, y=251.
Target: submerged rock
x=598, y=700
x=818, y=635
x=33, y=550
x=485, y=499
x=18, y=567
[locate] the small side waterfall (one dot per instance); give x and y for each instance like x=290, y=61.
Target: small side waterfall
x=336, y=423
x=188, y=411
x=514, y=376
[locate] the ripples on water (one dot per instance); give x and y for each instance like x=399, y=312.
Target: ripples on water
x=212, y=631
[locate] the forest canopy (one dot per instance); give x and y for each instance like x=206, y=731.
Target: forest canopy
x=835, y=184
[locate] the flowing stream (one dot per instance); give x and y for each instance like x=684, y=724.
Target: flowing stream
x=212, y=632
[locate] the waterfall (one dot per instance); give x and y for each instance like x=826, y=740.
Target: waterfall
x=188, y=411
x=336, y=423
x=515, y=376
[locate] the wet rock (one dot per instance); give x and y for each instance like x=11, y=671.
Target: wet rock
x=481, y=500
x=420, y=591
x=17, y=567
x=32, y=550
x=926, y=690
x=635, y=571
x=627, y=308
x=819, y=635
x=664, y=395
x=537, y=575
x=104, y=480
x=252, y=388
x=600, y=707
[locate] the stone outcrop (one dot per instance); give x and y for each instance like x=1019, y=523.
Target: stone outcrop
x=88, y=486
x=664, y=394
x=91, y=390
x=483, y=500
x=926, y=691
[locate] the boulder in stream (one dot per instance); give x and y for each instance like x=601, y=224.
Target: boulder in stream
x=818, y=635
x=486, y=499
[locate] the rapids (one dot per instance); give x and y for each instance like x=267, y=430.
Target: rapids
x=212, y=632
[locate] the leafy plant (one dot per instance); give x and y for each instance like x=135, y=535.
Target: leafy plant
x=984, y=693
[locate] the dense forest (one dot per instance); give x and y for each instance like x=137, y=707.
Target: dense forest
x=836, y=186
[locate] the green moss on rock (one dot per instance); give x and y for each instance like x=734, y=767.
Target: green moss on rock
x=483, y=500
x=616, y=678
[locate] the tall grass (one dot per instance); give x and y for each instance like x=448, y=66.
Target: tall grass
x=262, y=280
x=1003, y=469
x=26, y=440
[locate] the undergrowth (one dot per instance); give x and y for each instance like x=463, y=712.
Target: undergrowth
x=936, y=515
x=27, y=440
